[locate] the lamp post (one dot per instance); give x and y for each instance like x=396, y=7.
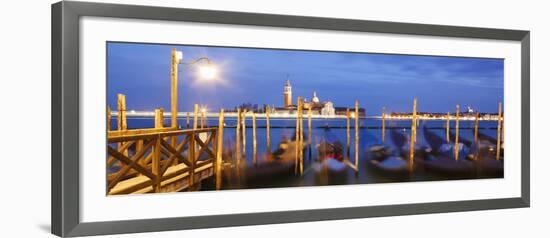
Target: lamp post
x=207, y=71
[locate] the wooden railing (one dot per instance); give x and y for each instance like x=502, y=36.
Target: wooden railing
x=151, y=160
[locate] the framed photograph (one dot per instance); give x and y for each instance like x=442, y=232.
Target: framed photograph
x=169, y=119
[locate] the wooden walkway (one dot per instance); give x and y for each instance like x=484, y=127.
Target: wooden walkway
x=160, y=160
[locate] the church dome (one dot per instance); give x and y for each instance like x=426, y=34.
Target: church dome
x=315, y=99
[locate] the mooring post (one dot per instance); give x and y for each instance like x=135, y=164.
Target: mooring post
x=499, y=127
x=412, y=137
x=254, y=139
x=348, y=138
x=243, y=121
x=297, y=136
x=202, y=117
x=268, y=131
x=121, y=118
x=159, y=118
x=301, y=144
x=309, y=132
x=357, y=136
x=195, y=116
x=309, y=125
x=448, y=127
x=219, y=152
x=456, y=130
x=238, y=138
x=476, y=128
x=383, y=124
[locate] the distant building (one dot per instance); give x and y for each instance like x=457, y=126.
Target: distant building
x=328, y=109
x=317, y=106
x=287, y=94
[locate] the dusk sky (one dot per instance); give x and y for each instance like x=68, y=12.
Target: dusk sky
x=257, y=76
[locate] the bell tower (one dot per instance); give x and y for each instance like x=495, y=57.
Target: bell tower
x=287, y=93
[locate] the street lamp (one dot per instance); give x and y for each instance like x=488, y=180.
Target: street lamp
x=206, y=69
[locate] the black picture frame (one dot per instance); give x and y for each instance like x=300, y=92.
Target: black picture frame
x=65, y=118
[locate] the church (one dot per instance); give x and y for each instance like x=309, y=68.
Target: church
x=325, y=108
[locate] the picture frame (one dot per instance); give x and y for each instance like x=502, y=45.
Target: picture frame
x=66, y=200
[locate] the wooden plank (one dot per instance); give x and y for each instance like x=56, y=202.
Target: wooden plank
x=128, y=161
x=127, y=167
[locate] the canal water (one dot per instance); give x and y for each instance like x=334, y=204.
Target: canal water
x=266, y=175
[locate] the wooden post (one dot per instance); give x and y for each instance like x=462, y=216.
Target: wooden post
x=192, y=158
x=254, y=141
x=356, y=136
x=499, y=127
x=383, y=124
x=456, y=131
x=309, y=125
x=348, y=115
x=174, y=88
x=412, y=137
x=297, y=136
x=476, y=128
x=187, y=119
x=155, y=164
x=219, y=153
x=268, y=131
x=243, y=120
x=121, y=119
x=202, y=118
x=301, y=144
x=238, y=138
x=108, y=118
x=448, y=127
x=195, y=116
x=159, y=118
x=122, y=126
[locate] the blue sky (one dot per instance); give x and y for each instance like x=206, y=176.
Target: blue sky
x=142, y=72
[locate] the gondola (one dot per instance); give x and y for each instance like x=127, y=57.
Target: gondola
x=277, y=167
x=330, y=166
x=461, y=139
x=386, y=162
x=442, y=161
x=485, y=156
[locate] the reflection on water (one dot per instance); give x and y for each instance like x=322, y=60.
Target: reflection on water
x=327, y=158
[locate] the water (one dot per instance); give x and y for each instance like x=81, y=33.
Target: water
x=369, y=135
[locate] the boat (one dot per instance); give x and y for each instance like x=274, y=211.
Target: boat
x=385, y=162
x=330, y=165
x=442, y=161
x=485, y=156
x=277, y=167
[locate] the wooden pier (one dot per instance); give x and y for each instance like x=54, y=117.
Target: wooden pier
x=154, y=165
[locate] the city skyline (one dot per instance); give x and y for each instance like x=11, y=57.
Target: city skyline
x=257, y=76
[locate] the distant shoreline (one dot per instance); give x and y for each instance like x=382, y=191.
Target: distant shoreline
x=148, y=114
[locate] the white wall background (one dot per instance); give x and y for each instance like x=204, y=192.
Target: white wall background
x=25, y=107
